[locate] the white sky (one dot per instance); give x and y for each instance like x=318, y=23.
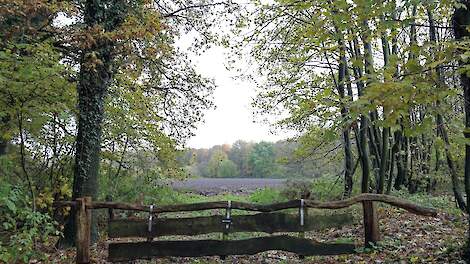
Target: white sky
x=232, y=119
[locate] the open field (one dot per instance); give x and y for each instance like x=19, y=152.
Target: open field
x=210, y=186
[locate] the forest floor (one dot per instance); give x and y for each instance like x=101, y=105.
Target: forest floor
x=406, y=238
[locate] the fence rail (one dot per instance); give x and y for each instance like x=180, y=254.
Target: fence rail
x=267, y=221
x=365, y=197
x=199, y=248
x=264, y=222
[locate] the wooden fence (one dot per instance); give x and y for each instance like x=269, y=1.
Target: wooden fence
x=268, y=220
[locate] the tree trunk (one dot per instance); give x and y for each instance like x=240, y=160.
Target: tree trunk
x=3, y=141
x=375, y=145
x=460, y=22
x=369, y=71
x=393, y=153
x=384, y=164
x=362, y=146
x=94, y=79
x=348, y=167
x=3, y=146
x=441, y=129
x=385, y=160
x=400, y=179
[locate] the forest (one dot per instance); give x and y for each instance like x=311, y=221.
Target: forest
x=258, y=160
x=98, y=98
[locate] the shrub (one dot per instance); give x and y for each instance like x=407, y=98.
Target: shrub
x=21, y=227
x=442, y=202
x=266, y=196
x=297, y=189
x=327, y=188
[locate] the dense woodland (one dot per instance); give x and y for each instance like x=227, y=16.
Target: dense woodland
x=260, y=160
x=98, y=99
x=386, y=86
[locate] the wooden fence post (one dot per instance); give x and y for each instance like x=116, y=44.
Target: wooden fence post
x=302, y=215
x=227, y=222
x=83, y=225
x=109, y=198
x=371, y=224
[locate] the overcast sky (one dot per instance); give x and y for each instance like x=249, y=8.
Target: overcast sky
x=232, y=119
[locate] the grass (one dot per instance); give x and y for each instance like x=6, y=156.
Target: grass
x=441, y=202
x=324, y=189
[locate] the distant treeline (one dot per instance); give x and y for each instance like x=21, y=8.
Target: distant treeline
x=255, y=160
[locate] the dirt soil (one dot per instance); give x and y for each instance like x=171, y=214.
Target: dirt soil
x=211, y=186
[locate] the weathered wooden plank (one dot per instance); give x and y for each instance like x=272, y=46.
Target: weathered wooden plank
x=199, y=248
x=394, y=201
x=264, y=222
x=83, y=225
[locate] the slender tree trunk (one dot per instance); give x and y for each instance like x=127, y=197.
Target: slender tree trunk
x=3, y=146
x=373, y=149
x=385, y=160
x=369, y=71
x=400, y=179
x=348, y=181
x=393, y=153
x=375, y=144
x=441, y=129
x=412, y=141
x=386, y=130
x=23, y=161
x=362, y=146
x=450, y=163
x=355, y=129
x=3, y=141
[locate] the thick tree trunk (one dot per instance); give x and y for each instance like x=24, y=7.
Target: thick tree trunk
x=94, y=79
x=461, y=21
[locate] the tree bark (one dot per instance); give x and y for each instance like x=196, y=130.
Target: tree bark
x=348, y=167
x=441, y=129
x=362, y=137
x=362, y=146
x=3, y=147
x=385, y=155
x=94, y=79
x=401, y=172
x=460, y=23
x=393, y=152
x=3, y=141
x=365, y=125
